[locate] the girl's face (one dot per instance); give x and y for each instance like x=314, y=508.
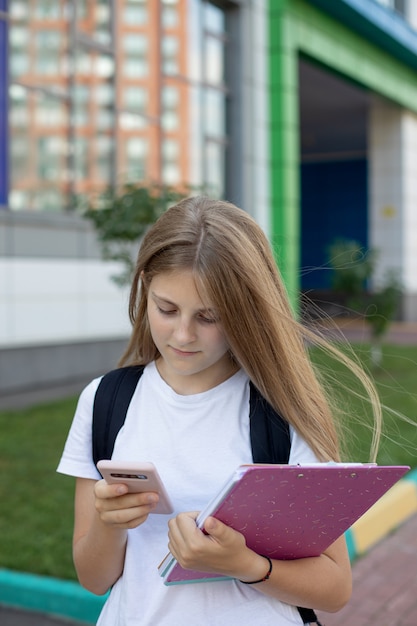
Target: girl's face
x=190, y=340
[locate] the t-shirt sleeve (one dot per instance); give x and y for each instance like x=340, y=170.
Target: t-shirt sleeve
x=77, y=457
x=300, y=451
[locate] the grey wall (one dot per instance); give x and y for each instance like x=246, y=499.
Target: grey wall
x=45, y=235
x=39, y=373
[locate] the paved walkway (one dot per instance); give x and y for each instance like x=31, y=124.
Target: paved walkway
x=354, y=329
x=18, y=617
x=384, y=584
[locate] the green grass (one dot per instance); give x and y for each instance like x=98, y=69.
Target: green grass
x=36, y=514
x=396, y=382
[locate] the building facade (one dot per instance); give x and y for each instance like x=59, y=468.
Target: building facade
x=343, y=80
x=303, y=112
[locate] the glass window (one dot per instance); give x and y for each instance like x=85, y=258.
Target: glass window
x=48, y=57
x=81, y=97
x=214, y=61
x=214, y=18
x=170, y=97
x=50, y=112
x=137, y=148
x=135, y=98
x=51, y=199
x=105, y=118
x=208, y=97
x=38, y=156
x=135, y=68
x=169, y=46
x=19, y=200
x=135, y=55
x=170, y=17
x=19, y=9
x=19, y=156
x=135, y=12
x=83, y=62
x=135, y=45
x=82, y=9
x=19, y=52
x=105, y=94
x=48, y=9
x=171, y=173
x=81, y=158
x=169, y=51
x=129, y=121
x=215, y=166
x=104, y=66
x=170, y=150
x=215, y=113
x=18, y=107
x=94, y=20
x=104, y=146
x=51, y=155
x=170, y=120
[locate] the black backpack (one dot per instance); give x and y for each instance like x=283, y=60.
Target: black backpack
x=269, y=432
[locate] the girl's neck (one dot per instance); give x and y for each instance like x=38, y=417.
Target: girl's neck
x=190, y=384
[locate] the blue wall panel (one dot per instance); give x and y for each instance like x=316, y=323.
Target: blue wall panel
x=334, y=205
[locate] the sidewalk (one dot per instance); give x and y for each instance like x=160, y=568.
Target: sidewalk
x=384, y=584
x=357, y=330
x=10, y=616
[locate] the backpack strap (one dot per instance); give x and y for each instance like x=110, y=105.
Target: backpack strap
x=111, y=402
x=308, y=616
x=269, y=432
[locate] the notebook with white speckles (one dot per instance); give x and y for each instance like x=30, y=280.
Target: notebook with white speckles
x=289, y=512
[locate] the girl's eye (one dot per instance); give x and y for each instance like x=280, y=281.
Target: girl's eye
x=166, y=311
x=207, y=320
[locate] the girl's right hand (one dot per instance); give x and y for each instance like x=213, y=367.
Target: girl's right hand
x=119, y=508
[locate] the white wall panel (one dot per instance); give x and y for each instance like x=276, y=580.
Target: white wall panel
x=60, y=301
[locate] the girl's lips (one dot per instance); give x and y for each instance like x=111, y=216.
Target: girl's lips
x=182, y=352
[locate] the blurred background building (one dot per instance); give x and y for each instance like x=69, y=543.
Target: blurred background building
x=303, y=112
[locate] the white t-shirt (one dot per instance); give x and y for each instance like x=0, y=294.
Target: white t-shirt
x=196, y=442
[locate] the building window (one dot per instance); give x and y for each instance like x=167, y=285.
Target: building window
x=208, y=97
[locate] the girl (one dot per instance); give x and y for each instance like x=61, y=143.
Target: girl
x=209, y=314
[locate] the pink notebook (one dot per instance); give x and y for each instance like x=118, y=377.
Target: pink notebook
x=289, y=512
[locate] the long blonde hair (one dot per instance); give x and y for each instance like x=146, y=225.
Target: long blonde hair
x=235, y=271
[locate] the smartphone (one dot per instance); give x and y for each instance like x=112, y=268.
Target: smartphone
x=138, y=477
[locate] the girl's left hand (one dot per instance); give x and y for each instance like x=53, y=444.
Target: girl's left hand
x=222, y=550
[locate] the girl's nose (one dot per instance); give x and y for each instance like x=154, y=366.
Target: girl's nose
x=185, y=332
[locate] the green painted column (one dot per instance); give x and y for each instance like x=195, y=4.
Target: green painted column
x=284, y=146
